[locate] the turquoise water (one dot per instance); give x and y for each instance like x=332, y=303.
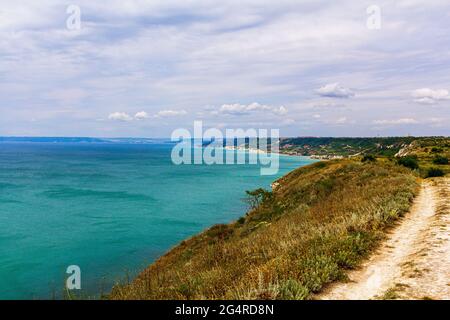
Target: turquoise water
x=110, y=208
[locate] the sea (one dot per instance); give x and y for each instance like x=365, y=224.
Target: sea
x=110, y=207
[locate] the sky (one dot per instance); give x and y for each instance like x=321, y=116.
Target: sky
x=134, y=68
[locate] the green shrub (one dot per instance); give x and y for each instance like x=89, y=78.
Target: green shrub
x=409, y=162
x=440, y=160
x=436, y=150
x=348, y=251
x=292, y=290
x=435, y=172
x=220, y=231
x=258, y=197
x=318, y=270
x=368, y=158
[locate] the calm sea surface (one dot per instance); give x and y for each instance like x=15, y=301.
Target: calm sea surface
x=110, y=208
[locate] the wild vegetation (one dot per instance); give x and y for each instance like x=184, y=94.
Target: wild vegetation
x=386, y=147
x=428, y=156
x=411, y=162
x=431, y=155
x=307, y=146
x=319, y=221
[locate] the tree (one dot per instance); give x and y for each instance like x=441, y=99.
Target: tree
x=435, y=172
x=368, y=158
x=409, y=162
x=440, y=160
x=257, y=197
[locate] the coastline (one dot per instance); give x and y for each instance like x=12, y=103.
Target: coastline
x=279, y=153
x=255, y=234
x=163, y=206
x=273, y=186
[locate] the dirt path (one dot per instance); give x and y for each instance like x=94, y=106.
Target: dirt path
x=414, y=262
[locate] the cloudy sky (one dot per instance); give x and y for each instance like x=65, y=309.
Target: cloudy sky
x=134, y=68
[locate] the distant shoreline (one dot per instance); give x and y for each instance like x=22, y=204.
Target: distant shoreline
x=285, y=153
x=253, y=150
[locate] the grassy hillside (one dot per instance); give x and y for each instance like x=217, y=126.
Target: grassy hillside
x=382, y=147
x=431, y=153
x=308, y=146
x=320, y=220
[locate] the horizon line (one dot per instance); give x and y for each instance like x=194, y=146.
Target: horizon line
x=283, y=137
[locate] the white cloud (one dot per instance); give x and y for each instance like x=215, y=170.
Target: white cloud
x=328, y=105
x=336, y=121
x=242, y=109
x=176, y=55
x=430, y=96
x=341, y=120
x=335, y=90
x=396, y=121
x=120, y=116
x=280, y=110
x=171, y=113
x=288, y=122
x=142, y=115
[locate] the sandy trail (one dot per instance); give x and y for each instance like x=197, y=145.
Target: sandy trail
x=414, y=262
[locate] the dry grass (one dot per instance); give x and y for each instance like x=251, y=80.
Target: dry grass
x=320, y=221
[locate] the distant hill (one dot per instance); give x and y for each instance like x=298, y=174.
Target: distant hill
x=384, y=146
x=83, y=140
x=51, y=139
